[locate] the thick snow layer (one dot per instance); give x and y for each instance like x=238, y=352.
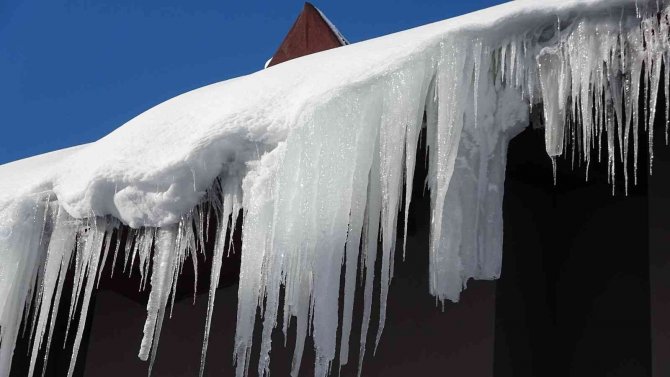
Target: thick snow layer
x=157, y=166
x=318, y=152
x=30, y=175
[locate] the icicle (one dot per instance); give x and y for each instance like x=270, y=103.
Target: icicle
x=61, y=246
x=451, y=80
x=358, y=217
x=551, y=66
x=82, y=258
x=229, y=203
x=194, y=259
x=56, y=304
x=116, y=250
x=254, y=233
x=406, y=93
x=216, y=269
x=128, y=249
x=637, y=9
x=163, y=267
x=107, y=243
x=503, y=61
x=370, y=237
x=90, y=257
x=553, y=168
x=654, y=84
x=477, y=55
x=653, y=72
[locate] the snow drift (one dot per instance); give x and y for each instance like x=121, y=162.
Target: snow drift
x=319, y=153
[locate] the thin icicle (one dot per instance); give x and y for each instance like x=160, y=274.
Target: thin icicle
x=107, y=243
x=226, y=227
x=116, y=251
x=163, y=267
x=90, y=259
x=370, y=232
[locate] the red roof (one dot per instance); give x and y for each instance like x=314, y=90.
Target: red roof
x=312, y=32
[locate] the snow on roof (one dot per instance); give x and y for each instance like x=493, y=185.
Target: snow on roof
x=158, y=165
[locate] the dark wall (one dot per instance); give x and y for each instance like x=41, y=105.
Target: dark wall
x=573, y=299
x=659, y=259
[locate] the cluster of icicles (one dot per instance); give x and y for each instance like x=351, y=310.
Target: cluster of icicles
x=331, y=194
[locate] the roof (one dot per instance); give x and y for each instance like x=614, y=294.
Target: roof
x=312, y=32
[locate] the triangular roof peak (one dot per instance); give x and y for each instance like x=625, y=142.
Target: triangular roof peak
x=312, y=32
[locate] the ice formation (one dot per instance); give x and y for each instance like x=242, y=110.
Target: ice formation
x=319, y=153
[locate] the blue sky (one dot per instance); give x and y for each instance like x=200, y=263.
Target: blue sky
x=71, y=71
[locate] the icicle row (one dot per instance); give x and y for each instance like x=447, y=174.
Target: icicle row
x=590, y=85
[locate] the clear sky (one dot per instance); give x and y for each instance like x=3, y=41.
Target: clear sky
x=71, y=71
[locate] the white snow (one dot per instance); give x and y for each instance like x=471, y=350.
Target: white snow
x=317, y=151
x=30, y=175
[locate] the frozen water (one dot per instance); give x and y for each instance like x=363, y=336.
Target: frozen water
x=319, y=153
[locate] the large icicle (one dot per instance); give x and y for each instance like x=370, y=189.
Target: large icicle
x=452, y=82
x=22, y=244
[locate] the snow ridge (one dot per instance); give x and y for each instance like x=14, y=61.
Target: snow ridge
x=321, y=185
